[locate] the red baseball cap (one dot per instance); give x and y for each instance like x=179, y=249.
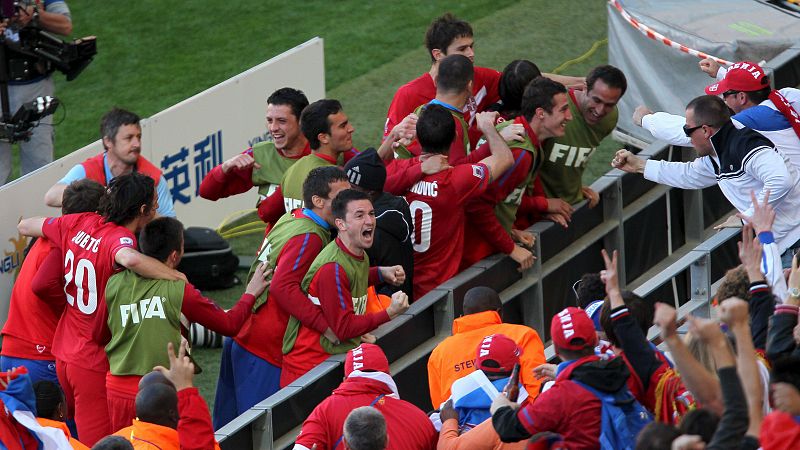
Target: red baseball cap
x=501, y=350
x=366, y=357
x=743, y=76
x=570, y=325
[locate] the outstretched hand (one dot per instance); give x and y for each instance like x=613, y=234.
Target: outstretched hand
x=181, y=368
x=763, y=215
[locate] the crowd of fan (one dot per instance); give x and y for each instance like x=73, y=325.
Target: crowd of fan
x=470, y=158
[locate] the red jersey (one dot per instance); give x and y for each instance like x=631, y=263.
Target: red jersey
x=262, y=334
x=406, y=425
x=28, y=332
x=437, y=208
x=331, y=287
x=421, y=90
x=89, y=245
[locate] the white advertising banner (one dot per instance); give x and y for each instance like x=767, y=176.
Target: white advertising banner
x=186, y=141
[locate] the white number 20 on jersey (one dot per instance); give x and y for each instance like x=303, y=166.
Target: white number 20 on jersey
x=81, y=272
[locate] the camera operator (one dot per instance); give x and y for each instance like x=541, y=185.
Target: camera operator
x=53, y=16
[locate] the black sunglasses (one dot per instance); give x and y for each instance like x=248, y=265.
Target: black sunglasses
x=727, y=93
x=689, y=130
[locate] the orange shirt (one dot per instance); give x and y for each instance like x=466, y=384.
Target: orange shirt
x=63, y=427
x=149, y=436
x=482, y=437
x=454, y=357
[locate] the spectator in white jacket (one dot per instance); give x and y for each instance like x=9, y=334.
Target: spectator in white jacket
x=736, y=158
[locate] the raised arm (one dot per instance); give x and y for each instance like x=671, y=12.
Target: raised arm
x=501, y=158
x=146, y=266
x=31, y=227
x=699, y=381
x=734, y=313
x=53, y=197
x=733, y=421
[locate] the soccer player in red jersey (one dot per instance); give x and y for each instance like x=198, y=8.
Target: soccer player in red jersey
x=32, y=319
x=453, y=91
x=437, y=201
x=337, y=281
x=95, y=247
x=449, y=35
x=545, y=113
x=264, y=163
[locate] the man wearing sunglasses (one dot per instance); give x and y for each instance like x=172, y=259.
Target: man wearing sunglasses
x=745, y=89
x=738, y=159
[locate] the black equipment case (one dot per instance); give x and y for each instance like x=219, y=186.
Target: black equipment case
x=208, y=261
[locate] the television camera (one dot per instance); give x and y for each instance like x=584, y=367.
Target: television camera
x=28, y=52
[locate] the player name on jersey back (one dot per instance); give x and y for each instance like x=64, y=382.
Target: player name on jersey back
x=426, y=188
x=86, y=242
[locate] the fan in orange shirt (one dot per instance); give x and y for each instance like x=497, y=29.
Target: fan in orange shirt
x=454, y=357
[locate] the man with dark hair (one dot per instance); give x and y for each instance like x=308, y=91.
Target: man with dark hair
x=439, y=243
x=739, y=160
x=37, y=299
x=448, y=35
x=264, y=163
x=568, y=407
x=545, y=114
x=454, y=357
x=367, y=383
x=144, y=314
x=95, y=247
x=394, y=223
x=330, y=135
x=250, y=368
x=453, y=90
x=365, y=429
x=594, y=112
x=337, y=280
x=745, y=89
x=121, y=134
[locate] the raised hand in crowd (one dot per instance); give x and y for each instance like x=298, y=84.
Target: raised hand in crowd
x=627, y=162
x=734, y=313
x=181, y=367
x=242, y=161
x=710, y=67
x=763, y=214
x=697, y=379
x=750, y=251
x=610, y=277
